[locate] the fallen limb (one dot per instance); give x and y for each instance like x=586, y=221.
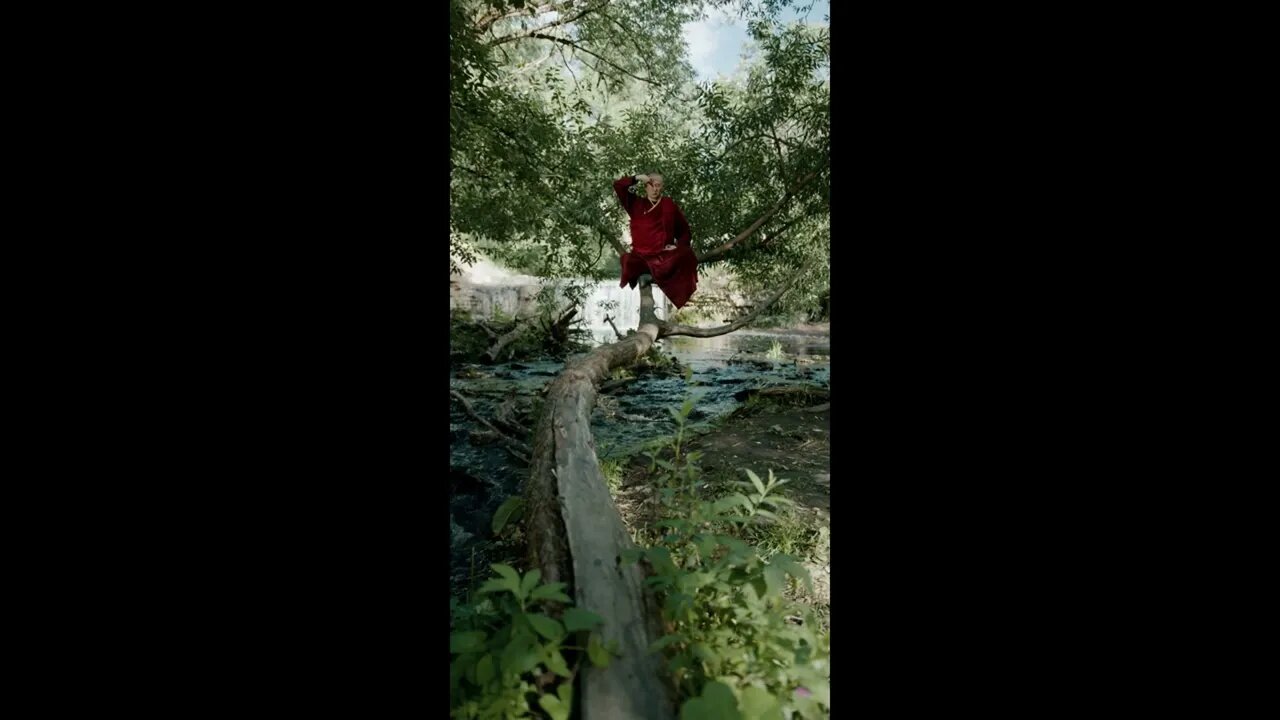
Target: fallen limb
x=510, y=442
x=480, y=436
x=507, y=420
x=522, y=327
x=615, y=328
x=615, y=384
x=577, y=536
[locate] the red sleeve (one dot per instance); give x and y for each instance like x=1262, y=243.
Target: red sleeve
x=682, y=227
x=620, y=187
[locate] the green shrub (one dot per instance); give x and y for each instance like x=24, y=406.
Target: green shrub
x=735, y=641
x=509, y=651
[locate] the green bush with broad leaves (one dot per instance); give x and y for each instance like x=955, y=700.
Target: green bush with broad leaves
x=736, y=647
x=510, y=655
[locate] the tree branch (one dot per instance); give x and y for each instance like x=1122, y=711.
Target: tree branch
x=666, y=329
x=627, y=33
x=773, y=235
x=563, y=21
x=616, y=243
x=720, y=252
x=579, y=48
x=484, y=22
x=572, y=74
x=516, y=447
x=609, y=320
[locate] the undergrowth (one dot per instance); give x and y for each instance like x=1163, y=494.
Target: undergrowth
x=721, y=562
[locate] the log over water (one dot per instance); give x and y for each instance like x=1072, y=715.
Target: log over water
x=576, y=534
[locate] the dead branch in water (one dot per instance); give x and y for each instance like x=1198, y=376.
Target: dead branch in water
x=521, y=450
x=609, y=320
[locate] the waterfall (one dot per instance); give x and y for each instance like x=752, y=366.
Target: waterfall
x=625, y=314
x=485, y=289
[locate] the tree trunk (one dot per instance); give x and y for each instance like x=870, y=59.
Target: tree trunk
x=577, y=536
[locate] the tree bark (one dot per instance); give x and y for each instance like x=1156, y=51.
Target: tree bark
x=576, y=534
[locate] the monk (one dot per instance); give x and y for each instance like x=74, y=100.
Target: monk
x=660, y=247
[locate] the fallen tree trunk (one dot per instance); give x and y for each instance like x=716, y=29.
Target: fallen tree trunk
x=576, y=534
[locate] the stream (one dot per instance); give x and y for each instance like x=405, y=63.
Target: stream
x=483, y=476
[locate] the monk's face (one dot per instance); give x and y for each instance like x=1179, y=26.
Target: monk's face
x=653, y=188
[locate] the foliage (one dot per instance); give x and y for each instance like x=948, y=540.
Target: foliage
x=509, y=652
x=736, y=645
x=547, y=109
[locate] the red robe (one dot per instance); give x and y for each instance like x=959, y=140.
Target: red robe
x=675, y=272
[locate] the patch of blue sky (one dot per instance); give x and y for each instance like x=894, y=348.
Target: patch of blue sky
x=718, y=42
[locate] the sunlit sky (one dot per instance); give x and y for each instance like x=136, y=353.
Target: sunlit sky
x=716, y=43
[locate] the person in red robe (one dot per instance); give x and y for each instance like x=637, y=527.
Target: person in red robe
x=660, y=247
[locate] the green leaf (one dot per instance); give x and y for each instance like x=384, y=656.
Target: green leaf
x=456, y=671
x=565, y=691
x=675, y=415
x=485, y=670
x=576, y=619
x=660, y=558
x=546, y=627
x=505, y=512
x=729, y=501
x=554, y=706
x=664, y=641
x=767, y=513
x=521, y=654
x=597, y=653
x=755, y=480
x=509, y=575
x=794, y=568
x=677, y=605
x=494, y=585
x=470, y=641
x=706, y=545
x=551, y=591
x=704, y=653
x=758, y=704
x=630, y=556
x=555, y=662
x=715, y=703
x=529, y=581
x=774, y=580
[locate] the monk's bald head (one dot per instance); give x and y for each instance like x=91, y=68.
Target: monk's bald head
x=653, y=187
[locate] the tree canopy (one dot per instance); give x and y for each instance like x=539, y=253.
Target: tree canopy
x=550, y=102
